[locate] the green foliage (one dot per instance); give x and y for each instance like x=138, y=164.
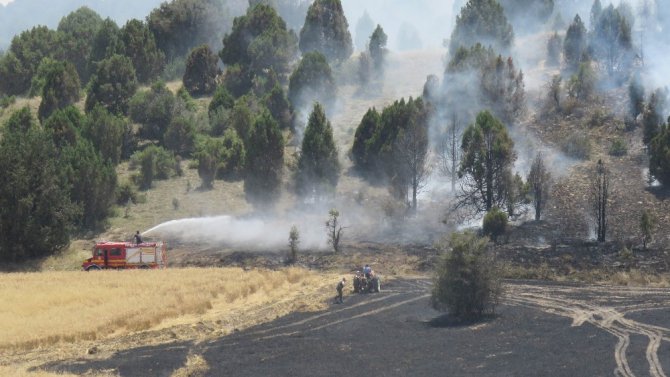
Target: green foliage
x=201, y=71
x=113, y=85
x=312, y=81
x=19, y=64
x=259, y=41
x=35, y=208
x=126, y=193
x=139, y=44
x=481, y=20
x=554, y=49
x=495, y=223
x=265, y=161
x=222, y=99
x=110, y=134
x=467, y=281
x=219, y=157
x=574, y=43
x=618, y=148
x=279, y=106
x=242, y=119
x=647, y=224
x=180, y=136
x=500, y=88
x=539, y=180
x=78, y=30
x=377, y=48
x=318, y=165
x=363, y=152
x=181, y=25
x=154, y=163
x=652, y=117
x=582, y=84
x=154, y=110
x=93, y=182
x=326, y=30
x=611, y=41
x=636, y=96
x=105, y=43
x=577, y=145
x=659, y=156
x=65, y=126
x=60, y=89
x=488, y=155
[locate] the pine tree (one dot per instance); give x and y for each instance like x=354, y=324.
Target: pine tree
x=61, y=88
x=201, y=71
x=326, y=30
x=265, y=161
x=318, y=166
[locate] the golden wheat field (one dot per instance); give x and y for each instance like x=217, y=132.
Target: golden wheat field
x=43, y=309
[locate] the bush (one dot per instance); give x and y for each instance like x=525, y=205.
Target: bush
x=495, y=223
x=618, y=148
x=577, y=145
x=467, y=282
x=126, y=192
x=155, y=163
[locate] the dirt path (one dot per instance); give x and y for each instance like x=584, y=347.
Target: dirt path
x=541, y=329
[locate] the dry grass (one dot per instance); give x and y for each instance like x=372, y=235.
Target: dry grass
x=196, y=366
x=53, y=307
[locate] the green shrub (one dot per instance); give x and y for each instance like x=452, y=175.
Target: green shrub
x=618, y=148
x=467, y=282
x=495, y=223
x=154, y=163
x=577, y=145
x=126, y=192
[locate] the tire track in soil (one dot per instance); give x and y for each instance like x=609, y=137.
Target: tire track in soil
x=561, y=301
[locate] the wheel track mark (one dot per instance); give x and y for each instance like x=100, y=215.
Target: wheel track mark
x=581, y=312
x=339, y=321
x=324, y=314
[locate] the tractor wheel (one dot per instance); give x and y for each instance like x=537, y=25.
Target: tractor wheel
x=144, y=267
x=93, y=268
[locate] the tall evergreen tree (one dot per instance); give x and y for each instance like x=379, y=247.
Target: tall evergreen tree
x=113, y=85
x=78, y=30
x=481, y=20
x=574, y=43
x=326, y=30
x=318, y=165
x=35, y=209
x=108, y=133
x=312, y=81
x=258, y=42
x=377, y=47
x=61, y=88
x=265, y=161
x=488, y=155
x=139, y=45
x=201, y=71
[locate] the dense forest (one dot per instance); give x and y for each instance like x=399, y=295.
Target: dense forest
x=271, y=69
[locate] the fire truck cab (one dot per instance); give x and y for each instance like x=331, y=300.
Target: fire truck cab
x=125, y=255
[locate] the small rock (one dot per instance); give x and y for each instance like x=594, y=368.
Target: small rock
x=92, y=351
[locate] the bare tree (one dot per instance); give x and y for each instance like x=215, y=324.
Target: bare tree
x=555, y=92
x=411, y=159
x=599, y=199
x=539, y=180
x=449, y=153
x=334, y=229
x=293, y=242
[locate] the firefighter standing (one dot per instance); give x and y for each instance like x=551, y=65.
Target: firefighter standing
x=138, y=238
x=340, y=288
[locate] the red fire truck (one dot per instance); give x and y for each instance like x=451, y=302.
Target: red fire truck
x=125, y=255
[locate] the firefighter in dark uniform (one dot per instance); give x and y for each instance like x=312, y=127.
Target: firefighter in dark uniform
x=340, y=288
x=138, y=238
